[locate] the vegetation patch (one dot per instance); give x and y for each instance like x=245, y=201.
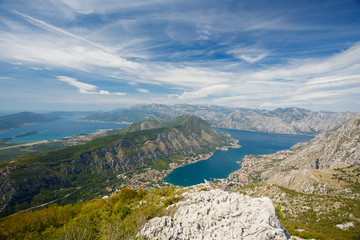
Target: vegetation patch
x=311, y=215
x=118, y=217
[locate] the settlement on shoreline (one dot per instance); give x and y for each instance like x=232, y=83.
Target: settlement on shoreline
x=148, y=177
x=151, y=178
x=251, y=168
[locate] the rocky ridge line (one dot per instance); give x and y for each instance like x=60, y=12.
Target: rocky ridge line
x=282, y=120
x=217, y=214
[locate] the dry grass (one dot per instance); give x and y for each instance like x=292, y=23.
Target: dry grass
x=339, y=176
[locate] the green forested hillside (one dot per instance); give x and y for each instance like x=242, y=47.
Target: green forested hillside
x=119, y=217
x=84, y=171
x=19, y=119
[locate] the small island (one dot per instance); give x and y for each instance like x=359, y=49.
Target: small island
x=27, y=134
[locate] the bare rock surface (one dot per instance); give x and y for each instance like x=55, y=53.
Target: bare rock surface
x=339, y=147
x=217, y=214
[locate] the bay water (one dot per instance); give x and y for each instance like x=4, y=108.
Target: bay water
x=68, y=126
x=222, y=163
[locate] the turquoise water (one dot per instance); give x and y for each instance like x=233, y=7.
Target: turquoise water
x=222, y=163
x=66, y=127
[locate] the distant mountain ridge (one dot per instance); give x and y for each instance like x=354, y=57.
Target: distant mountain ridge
x=282, y=120
x=85, y=170
x=22, y=118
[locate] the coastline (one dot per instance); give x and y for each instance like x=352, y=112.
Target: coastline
x=84, y=120
x=66, y=141
x=251, y=168
x=154, y=178
x=22, y=125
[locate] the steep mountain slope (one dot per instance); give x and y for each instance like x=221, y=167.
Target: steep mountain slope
x=281, y=120
x=313, y=167
x=86, y=170
x=287, y=120
x=19, y=119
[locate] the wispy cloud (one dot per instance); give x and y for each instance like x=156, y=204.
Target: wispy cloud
x=313, y=67
x=249, y=54
x=76, y=52
x=51, y=27
x=142, y=90
x=205, y=92
x=86, y=88
x=234, y=53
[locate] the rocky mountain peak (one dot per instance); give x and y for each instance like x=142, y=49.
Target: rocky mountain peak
x=217, y=214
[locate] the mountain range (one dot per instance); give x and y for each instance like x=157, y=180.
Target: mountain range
x=82, y=171
x=313, y=186
x=282, y=120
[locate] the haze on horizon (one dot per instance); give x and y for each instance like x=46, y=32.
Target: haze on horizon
x=106, y=54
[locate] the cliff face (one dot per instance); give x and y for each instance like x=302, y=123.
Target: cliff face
x=104, y=158
x=337, y=148
x=217, y=214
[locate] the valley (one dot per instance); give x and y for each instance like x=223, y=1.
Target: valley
x=179, y=120
x=95, y=165
x=314, y=186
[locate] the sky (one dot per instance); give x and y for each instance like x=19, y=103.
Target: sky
x=108, y=54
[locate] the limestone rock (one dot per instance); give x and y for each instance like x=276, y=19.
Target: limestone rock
x=339, y=147
x=345, y=226
x=217, y=214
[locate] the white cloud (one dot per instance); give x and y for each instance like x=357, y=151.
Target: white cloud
x=75, y=51
x=334, y=80
x=142, y=90
x=331, y=78
x=102, y=6
x=82, y=47
x=249, y=54
x=307, y=69
x=193, y=77
x=86, y=88
x=83, y=87
x=205, y=92
x=51, y=27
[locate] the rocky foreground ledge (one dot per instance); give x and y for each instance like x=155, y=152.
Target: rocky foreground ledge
x=217, y=214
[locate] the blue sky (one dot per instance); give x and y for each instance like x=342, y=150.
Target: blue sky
x=107, y=54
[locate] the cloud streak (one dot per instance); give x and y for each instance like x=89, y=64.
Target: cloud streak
x=249, y=54
x=86, y=88
x=100, y=55
x=235, y=53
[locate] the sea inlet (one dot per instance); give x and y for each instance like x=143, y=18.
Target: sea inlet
x=222, y=163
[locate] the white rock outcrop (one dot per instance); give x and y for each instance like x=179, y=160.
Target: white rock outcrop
x=217, y=214
x=345, y=226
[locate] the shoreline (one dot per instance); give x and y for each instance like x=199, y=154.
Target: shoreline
x=98, y=121
x=155, y=178
x=251, y=169
x=67, y=141
x=27, y=144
